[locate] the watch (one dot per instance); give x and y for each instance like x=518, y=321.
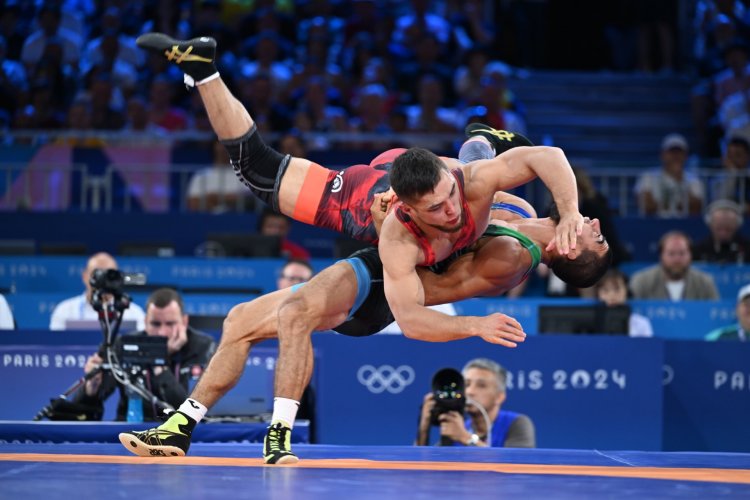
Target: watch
x=473, y=440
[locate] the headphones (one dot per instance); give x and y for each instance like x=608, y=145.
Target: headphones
x=723, y=205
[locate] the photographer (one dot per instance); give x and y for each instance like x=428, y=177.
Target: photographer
x=79, y=307
x=188, y=353
x=485, y=384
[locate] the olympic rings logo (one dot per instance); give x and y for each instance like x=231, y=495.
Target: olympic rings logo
x=385, y=378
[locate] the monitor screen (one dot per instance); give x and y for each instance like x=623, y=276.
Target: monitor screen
x=584, y=319
x=247, y=245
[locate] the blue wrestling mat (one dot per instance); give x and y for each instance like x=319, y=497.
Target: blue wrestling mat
x=51, y=471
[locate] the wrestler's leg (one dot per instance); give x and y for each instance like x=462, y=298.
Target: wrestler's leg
x=475, y=148
x=245, y=325
x=260, y=167
x=509, y=207
x=227, y=115
x=324, y=302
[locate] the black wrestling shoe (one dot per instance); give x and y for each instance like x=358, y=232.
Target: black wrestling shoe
x=170, y=439
x=195, y=57
x=501, y=140
x=277, y=445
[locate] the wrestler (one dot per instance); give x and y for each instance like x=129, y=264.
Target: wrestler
x=349, y=298
x=443, y=210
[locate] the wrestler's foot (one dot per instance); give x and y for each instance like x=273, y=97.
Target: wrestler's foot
x=501, y=140
x=196, y=57
x=277, y=445
x=170, y=439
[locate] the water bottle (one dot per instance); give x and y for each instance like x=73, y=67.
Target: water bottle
x=135, y=406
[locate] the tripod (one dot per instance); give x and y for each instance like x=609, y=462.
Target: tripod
x=110, y=304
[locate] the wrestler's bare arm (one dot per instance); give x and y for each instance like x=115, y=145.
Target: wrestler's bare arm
x=403, y=290
x=521, y=165
x=496, y=267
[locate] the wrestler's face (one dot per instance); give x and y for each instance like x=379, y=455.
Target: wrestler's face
x=590, y=239
x=441, y=208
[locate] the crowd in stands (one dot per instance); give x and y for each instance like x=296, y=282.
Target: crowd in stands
x=360, y=66
x=312, y=66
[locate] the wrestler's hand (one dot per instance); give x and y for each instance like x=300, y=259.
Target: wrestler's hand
x=382, y=204
x=566, y=233
x=501, y=329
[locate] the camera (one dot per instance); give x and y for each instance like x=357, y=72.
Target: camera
x=448, y=392
x=113, y=281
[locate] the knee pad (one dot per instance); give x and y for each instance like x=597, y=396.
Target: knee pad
x=257, y=165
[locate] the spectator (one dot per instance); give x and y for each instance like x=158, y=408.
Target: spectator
x=595, y=205
x=725, y=244
x=491, y=109
x=429, y=114
x=6, y=315
x=13, y=81
x=731, y=89
x=188, y=352
x=49, y=18
x=371, y=112
x=163, y=113
x=79, y=307
x=741, y=329
x=292, y=144
x=733, y=183
x=216, y=189
x=467, y=79
x=612, y=289
x=138, y=111
x=276, y=224
x=257, y=93
x=485, y=384
x=294, y=272
x=671, y=192
x=673, y=278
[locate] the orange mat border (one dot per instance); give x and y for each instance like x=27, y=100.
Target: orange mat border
x=739, y=476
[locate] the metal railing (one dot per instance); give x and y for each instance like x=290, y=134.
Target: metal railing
x=162, y=188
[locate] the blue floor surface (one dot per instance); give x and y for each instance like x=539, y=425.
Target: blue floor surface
x=369, y=472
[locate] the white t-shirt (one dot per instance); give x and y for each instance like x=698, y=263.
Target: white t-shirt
x=675, y=289
x=215, y=181
x=639, y=326
x=6, y=316
x=448, y=309
x=671, y=195
x=78, y=308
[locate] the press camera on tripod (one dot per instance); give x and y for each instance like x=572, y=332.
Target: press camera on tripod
x=125, y=360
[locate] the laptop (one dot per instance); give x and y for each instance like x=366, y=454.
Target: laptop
x=250, y=398
x=127, y=325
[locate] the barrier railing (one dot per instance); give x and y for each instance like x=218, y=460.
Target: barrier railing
x=160, y=187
